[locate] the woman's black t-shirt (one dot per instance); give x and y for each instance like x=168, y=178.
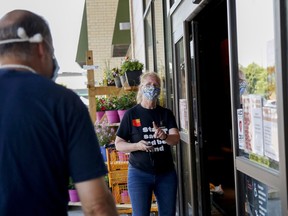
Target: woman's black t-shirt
x=137, y=125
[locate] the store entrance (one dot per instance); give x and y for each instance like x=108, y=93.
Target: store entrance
x=212, y=111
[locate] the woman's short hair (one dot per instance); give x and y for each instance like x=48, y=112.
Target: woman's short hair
x=143, y=77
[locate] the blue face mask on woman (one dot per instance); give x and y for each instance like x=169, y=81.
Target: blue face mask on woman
x=150, y=92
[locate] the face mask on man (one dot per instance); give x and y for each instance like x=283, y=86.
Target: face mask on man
x=150, y=92
x=55, y=69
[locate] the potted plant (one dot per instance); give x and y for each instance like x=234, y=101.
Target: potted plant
x=111, y=109
x=73, y=195
x=126, y=101
x=132, y=69
x=105, y=134
x=100, y=107
x=116, y=76
x=108, y=79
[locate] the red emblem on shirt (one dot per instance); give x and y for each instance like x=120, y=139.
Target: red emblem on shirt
x=136, y=122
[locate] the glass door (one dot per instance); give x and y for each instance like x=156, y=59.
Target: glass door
x=212, y=120
x=257, y=108
x=184, y=153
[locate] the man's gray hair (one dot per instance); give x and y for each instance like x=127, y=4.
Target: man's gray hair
x=32, y=24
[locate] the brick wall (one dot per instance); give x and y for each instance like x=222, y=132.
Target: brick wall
x=101, y=16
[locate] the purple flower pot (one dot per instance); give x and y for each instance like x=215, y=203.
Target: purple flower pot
x=73, y=195
x=99, y=115
x=121, y=113
x=112, y=116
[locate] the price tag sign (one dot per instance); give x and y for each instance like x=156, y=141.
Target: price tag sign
x=90, y=67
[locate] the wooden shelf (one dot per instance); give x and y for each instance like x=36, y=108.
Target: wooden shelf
x=74, y=204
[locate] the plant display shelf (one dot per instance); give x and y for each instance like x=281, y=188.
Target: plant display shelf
x=117, y=165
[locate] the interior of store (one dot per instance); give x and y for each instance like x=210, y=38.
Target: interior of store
x=214, y=105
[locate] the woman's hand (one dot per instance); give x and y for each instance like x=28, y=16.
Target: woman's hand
x=127, y=147
x=159, y=133
x=144, y=146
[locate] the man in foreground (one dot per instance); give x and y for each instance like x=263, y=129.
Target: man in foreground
x=46, y=134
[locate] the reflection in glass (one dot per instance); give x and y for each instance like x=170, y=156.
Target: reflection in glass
x=159, y=48
x=186, y=178
x=257, y=116
x=149, y=64
x=181, y=77
x=256, y=46
x=168, y=58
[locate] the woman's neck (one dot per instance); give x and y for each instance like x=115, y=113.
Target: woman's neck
x=147, y=104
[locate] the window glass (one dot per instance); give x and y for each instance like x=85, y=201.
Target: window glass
x=181, y=78
x=257, y=116
x=168, y=59
x=149, y=42
x=159, y=47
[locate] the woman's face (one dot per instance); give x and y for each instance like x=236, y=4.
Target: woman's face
x=151, y=81
x=150, y=88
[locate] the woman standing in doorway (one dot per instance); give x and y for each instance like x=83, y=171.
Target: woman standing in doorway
x=147, y=131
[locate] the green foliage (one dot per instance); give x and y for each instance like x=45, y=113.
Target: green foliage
x=130, y=65
x=106, y=103
x=259, y=80
x=71, y=185
x=126, y=100
x=111, y=103
x=115, y=72
x=108, y=74
x=100, y=104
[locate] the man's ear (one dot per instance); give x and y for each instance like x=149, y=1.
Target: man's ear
x=41, y=50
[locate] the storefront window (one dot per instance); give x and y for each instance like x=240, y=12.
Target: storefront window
x=257, y=116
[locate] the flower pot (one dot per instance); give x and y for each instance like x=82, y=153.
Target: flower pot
x=112, y=116
x=103, y=153
x=125, y=197
x=73, y=196
x=123, y=80
x=122, y=156
x=121, y=113
x=118, y=82
x=133, y=77
x=99, y=115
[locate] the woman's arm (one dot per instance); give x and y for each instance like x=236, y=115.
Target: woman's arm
x=172, y=138
x=127, y=147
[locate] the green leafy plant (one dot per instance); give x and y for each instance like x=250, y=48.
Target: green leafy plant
x=115, y=72
x=108, y=77
x=111, y=103
x=71, y=185
x=130, y=65
x=105, y=133
x=100, y=104
x=126, y=100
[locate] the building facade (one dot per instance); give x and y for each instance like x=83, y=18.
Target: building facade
x=224, y=70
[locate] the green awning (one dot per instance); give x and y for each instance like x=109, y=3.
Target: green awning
x=83, y=40
x=121, y=38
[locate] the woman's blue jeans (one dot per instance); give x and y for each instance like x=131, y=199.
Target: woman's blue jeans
x=141, y=185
